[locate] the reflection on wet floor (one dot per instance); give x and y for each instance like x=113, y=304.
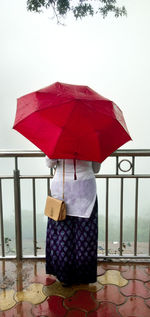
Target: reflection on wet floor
x=18, y=275
x=121, y=290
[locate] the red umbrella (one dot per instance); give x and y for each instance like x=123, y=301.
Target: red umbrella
x=71, y=121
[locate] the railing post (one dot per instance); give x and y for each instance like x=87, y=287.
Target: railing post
x=2, y=222
x=106, y=221
x=121, y=216
x=136, y=216
x=17, y=213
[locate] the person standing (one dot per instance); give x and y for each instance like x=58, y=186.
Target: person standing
x=71, y=244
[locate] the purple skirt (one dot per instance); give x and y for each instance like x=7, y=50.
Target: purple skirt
x=71, y=248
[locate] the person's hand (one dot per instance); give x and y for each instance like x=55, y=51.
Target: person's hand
x=96, y=167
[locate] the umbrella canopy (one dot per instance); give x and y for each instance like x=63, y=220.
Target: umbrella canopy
x=72, y=122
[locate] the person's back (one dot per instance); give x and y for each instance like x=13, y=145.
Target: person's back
x=83, y=169
x=79, y=186
x=71, y=244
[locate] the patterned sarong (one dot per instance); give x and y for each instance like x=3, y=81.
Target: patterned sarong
x=71, y=248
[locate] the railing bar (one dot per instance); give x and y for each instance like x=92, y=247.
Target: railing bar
x=18, y=226
x=6, y=177
x=97, y=176
x=136, y=217
x=117, y=162
x=21, y=154
x=7, y=257
x=39, y=257
x=31, y=153
x=138, y=152
x=124, y=257
x=52, y=172
x=131, y=153
x=123, y=176
x=35, y=176
x=48, y=186
x=2, y=222
x=106, y=223
x=16, y=163
x=34, y=218
x=121, y=216
x=133, y=165
x=149, y=240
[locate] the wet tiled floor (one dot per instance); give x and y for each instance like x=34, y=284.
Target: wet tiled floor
x=121, y=290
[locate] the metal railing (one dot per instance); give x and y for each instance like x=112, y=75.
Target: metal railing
x=121, y=156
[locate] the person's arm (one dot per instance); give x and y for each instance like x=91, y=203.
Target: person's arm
x=96, y=167
x=50, y=162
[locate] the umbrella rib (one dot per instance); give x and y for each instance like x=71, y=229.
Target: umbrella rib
x=63, y=128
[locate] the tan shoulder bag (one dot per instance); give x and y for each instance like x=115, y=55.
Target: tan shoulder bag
x=56, y=208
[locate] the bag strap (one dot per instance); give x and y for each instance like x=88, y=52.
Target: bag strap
x=49, y=190
x=63, y=178
x=75, y=175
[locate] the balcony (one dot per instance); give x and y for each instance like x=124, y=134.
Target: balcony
x=123, y=281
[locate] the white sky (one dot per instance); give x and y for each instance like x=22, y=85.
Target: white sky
x=112, y=56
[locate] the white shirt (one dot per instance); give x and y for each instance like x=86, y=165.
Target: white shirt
x=80, y=194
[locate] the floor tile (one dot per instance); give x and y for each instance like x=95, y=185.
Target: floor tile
x=111, y=266
x=17, y=275
x=7, y=299
x=121, y=290
x=19, y=310
x=44, y=279
x=136, y=288
x=134, y=306
x=52, y=307
x=92, y=287
x=110, y=293
x=100, y=270
x=75, y=313
x=105, y=310
x=58, y=290
x=136, y=274
x=147, y=301
x=7, y=276
x=147, y=270
x=147, y=284
x=81, y=300
x=32, y=294
x=112, y=277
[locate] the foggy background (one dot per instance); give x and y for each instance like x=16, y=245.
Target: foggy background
x=110, y=55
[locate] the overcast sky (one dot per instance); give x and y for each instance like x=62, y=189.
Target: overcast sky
x=110, y=55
